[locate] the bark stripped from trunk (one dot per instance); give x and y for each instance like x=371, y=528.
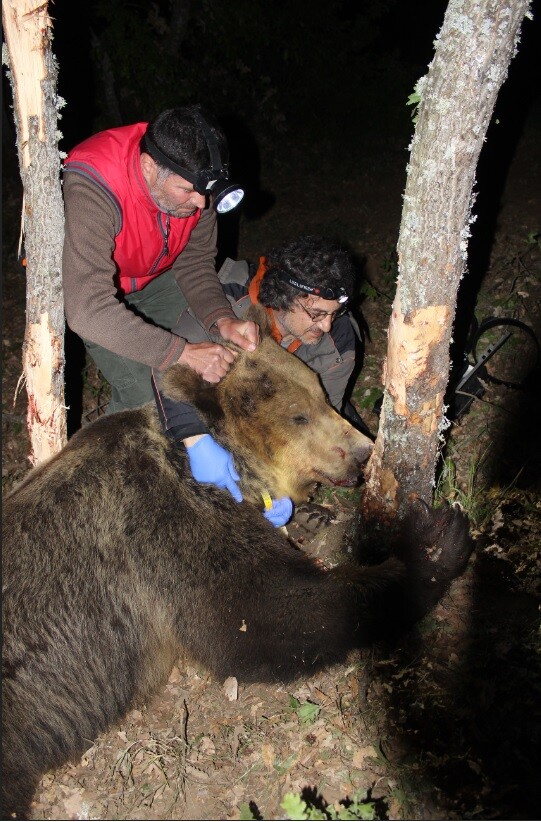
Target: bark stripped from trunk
x=33, y=75
x=474, y=48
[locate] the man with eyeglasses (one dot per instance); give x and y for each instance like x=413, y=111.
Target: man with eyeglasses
x=305, y=286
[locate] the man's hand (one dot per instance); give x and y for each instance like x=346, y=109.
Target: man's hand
x=243, y=333
x=211, y=360
x=211, y=463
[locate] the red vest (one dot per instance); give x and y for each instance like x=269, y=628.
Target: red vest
x=149, y=241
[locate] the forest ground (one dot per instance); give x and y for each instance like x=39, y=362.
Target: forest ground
x=445, y=726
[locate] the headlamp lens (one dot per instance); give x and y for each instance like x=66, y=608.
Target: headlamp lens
x=228, y=199
x=225, y=195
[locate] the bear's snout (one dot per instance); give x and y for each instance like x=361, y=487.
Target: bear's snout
x=359, y=453
x=342, y=464
x=363, y=450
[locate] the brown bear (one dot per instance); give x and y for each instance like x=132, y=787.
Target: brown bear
x=115, y=558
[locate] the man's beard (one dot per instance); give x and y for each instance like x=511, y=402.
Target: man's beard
x=165, y=205
x=175, y=211
x=314, y=336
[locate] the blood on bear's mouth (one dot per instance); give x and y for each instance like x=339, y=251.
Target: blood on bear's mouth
x=347, y=483
x=344, y=482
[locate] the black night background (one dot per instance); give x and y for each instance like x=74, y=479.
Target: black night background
x=313, y=98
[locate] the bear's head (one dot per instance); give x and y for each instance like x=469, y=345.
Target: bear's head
x=271, y=413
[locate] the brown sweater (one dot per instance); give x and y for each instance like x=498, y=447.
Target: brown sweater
x=93, y=307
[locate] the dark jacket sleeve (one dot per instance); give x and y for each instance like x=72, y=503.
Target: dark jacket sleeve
x=179, y=420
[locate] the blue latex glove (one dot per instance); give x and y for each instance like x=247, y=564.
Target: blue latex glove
x=209, y=462
x=280, y=513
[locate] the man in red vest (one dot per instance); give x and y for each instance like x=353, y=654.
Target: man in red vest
x=140, y=245
x=139, y=248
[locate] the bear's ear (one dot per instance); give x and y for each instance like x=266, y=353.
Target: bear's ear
x=183, y=384
x=259, y=315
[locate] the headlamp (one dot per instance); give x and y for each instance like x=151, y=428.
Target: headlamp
x=213, y=181
x=326, y=293
x=226, y=195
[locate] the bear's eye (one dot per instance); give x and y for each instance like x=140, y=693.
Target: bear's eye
x=300, y=420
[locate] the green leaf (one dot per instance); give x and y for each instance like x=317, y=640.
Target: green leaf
x=294, y=806
x=413, y=100
x=245, y=812
x=363, y=810
x=308, y=713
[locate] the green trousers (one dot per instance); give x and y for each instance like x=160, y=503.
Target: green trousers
x=161, y=303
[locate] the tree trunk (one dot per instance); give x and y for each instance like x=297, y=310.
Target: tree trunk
x=107, y=78
x=457, y=96
x=180, y=14
x=33, y=75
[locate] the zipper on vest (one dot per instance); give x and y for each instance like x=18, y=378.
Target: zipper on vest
x=164, y=230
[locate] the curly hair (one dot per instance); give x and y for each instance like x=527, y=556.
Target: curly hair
x=315, y=260
x=178, y=134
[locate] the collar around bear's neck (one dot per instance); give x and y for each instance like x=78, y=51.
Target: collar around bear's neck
x=253, y=291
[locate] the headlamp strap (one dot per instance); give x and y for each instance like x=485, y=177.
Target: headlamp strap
x=163, y=160
x=206, y=177
x=325, y=293
x=212, y=144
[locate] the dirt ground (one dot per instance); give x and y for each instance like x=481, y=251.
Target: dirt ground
x=444, y=726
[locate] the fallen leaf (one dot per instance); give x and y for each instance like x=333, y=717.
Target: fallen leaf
x=75, y=805
x=231, y=688
x=268, y=756
x=362, y=754
x=175, y=675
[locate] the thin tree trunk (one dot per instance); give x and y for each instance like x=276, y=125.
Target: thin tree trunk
x=107, y=79
x=473, y=51
x=33, y=75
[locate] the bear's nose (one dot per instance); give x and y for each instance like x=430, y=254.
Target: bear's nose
x=363, y=449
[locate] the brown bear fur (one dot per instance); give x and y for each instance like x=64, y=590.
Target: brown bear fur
x=115, y=559
x=272, y=414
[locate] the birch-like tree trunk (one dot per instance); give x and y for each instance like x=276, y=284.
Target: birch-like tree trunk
x=33, y=74
x=473, y=50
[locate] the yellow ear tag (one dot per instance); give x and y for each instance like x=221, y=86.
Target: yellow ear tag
x=267, y=500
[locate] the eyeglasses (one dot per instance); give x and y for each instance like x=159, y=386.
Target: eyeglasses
x=318, y=316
